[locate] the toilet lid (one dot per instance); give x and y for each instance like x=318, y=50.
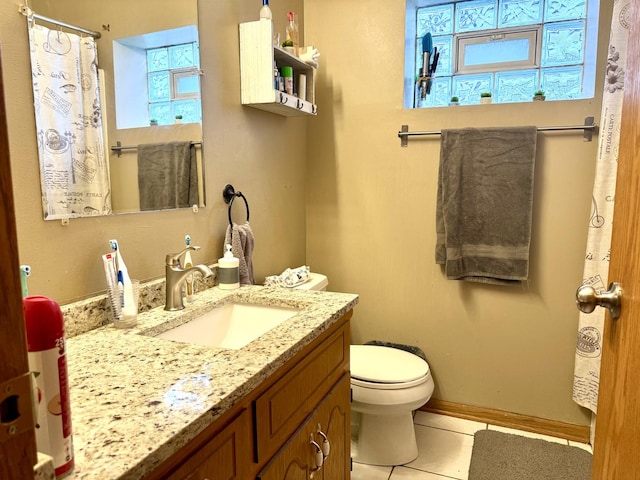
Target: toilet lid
x=379, y=364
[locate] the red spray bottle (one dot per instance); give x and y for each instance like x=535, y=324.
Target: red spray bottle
x=48, y=362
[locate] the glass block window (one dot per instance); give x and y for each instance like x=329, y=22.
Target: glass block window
x=510, y=48
x=173, y=83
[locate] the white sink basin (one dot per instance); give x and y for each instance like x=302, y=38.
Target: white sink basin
x=232, y=325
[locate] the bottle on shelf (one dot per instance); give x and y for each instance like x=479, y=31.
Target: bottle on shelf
x=292, y=31
x=265, y=11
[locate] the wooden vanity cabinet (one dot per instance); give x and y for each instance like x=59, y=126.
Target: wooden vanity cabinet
x=297, y=459
x=227, y=456
x=267, y=434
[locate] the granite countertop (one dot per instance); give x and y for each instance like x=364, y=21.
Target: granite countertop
x=136, y=400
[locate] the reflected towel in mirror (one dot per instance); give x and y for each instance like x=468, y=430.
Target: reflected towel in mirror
x=167, y=175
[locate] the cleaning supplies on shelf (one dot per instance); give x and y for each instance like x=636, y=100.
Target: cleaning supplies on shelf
x=265, y=11
x=228, y=270
x=287, y=75
x=48, y=362
x=292, y=31
x=188, y=263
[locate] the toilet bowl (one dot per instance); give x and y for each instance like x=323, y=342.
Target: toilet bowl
x=388, y=384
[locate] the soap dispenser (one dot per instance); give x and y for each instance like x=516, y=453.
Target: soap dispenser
x=228, y=270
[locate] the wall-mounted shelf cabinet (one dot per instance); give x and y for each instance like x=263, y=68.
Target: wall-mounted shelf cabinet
x=257, y=57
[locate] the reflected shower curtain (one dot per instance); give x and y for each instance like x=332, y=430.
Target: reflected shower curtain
x=596, y=267
x=74, y=173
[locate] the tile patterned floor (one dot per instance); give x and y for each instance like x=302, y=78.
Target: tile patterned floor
x=444, y=445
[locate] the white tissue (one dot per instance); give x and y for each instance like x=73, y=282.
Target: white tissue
x=309, y=55
x=291, y=277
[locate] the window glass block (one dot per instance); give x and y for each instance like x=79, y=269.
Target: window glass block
x=515, y=86
x=436, y=20
x=157, y=59
x=161, y=112
x=468, y=87
x=440, y=93
x=196, y=53
x=159, y=89
x=563, y=43
x=181, y=56
x=496, y=52
x=561, y=83
x=556, y=10
x=476, y=15
x=187, y=84
x=189, y=109
x=445, y=48
x=519, y=12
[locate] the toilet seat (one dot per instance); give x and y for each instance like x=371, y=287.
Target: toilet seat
x=388, y=386
x=386, y=368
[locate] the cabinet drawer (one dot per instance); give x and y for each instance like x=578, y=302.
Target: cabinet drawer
x=227, y=456
x=283, y=407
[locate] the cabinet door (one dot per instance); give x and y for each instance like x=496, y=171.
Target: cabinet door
x=335, y=422
x=226, y=457
x=297, y=459
x=282, y=408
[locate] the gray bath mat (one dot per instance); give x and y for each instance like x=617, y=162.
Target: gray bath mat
x=502, y=456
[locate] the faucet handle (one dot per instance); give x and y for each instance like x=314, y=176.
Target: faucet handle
x=174, y=258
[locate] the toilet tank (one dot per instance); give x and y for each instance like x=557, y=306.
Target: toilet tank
x=317, y=281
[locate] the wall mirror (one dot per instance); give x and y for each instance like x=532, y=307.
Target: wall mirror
x=148, y=56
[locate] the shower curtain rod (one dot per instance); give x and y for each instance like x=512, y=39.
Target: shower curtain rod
x=27, y=12
x=589, y=129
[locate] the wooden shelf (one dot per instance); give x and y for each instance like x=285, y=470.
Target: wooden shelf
x=257, y=57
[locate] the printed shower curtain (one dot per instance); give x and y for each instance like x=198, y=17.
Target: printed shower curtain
x=596, y=267
x=74, y=173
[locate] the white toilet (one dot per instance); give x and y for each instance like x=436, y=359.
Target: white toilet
x=387, y=385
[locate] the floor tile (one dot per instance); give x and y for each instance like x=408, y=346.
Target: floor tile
x=529, y=434
x=445, y=422
x=443, y=452
x=584, y=446
x=404, y=473
x=370, y=472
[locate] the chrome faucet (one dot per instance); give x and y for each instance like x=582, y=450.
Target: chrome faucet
x=176, y=276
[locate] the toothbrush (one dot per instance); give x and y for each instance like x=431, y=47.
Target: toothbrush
x=129, y=308
x=188, y=264
x=25, y=271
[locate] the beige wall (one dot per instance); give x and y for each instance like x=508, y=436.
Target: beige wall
x=370, y=221
x=261, y=154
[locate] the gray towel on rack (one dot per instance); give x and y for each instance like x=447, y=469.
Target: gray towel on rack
x=242, y=242
x=167, y=175
x=484, y=204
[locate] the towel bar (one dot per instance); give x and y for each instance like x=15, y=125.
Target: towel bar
x=589, y=129
x=119, y=147
x=229, y=194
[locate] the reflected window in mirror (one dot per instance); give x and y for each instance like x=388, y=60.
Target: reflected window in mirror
x=156, y=77
x=174, y=83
